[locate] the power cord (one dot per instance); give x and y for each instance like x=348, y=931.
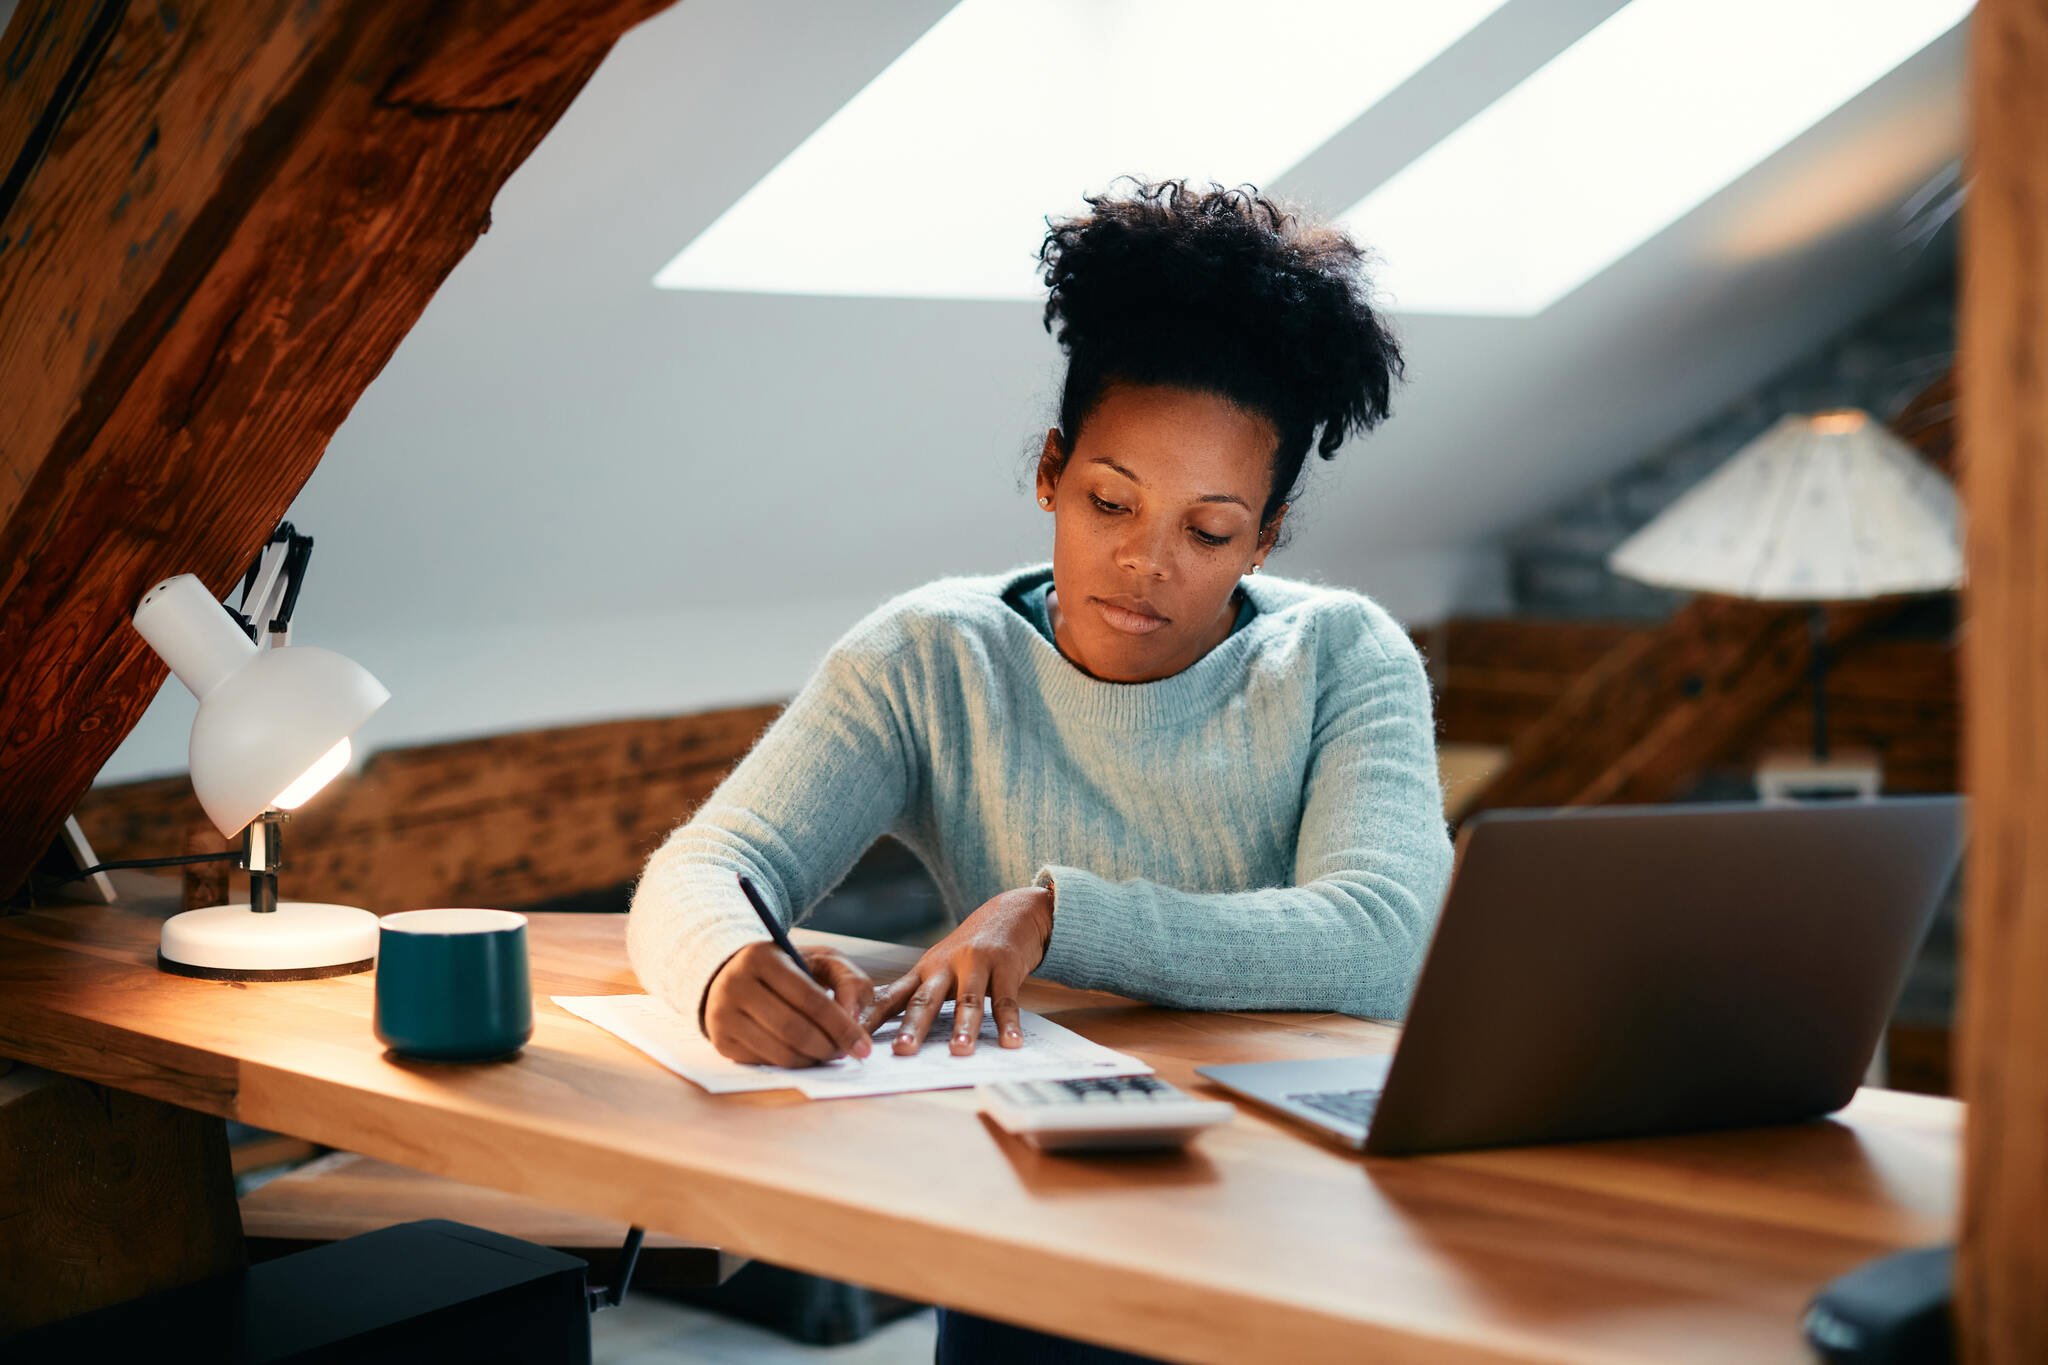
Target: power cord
x=23, y=898
x=119, y=863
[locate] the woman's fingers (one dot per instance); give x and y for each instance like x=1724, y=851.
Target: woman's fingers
x=851, y=990
x=807, y=1019
x=890, y=1000
x=1002, y=990
x=799, y=1039
x=967, y=1011
x=923, y=1008
x=746, y=1040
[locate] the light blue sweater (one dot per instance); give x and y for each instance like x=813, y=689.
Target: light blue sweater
x=1263, y=830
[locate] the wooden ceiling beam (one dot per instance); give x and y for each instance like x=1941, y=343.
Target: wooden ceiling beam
x=218, y=222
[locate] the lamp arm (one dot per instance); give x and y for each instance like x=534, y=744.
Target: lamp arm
x=296, y=558
x=259, y=589
x=270, y=589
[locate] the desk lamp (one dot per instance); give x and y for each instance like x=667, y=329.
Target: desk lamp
x=273, y=728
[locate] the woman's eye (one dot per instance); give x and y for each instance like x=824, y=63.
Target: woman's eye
x=1208, y=539
x=1104, y=504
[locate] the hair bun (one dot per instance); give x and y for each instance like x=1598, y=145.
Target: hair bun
x=1225, y=291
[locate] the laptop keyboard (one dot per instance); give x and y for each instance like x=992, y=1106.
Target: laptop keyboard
x=1352, y=1106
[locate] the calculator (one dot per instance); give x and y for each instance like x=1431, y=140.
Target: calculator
x=1100, y=1113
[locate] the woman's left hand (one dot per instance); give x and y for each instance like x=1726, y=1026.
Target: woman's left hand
x=985, y=959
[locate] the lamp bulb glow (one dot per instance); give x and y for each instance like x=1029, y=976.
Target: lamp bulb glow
x=1839, y=420
x=323, y=771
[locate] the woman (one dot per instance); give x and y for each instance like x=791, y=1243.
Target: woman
x=1144, y=768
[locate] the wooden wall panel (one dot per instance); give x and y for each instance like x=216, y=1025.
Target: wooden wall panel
x=1496, y=678
x=218, y=221
x=2002, y=1277
x=504, y=821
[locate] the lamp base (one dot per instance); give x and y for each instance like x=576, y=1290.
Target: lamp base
x=1848, y=775
x=298, y=941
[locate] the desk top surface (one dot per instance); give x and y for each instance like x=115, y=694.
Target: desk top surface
x=1255, y=1243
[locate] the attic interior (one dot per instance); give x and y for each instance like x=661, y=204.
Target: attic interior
x=620, y=356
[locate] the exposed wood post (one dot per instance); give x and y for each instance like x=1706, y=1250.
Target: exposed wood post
x=217, y=221
x=106, y=1196
x=2002, y=1277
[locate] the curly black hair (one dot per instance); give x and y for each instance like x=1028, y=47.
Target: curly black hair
x=1220, y=291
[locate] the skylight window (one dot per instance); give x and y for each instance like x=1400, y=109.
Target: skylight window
x=1618, y=137
x=935, y=180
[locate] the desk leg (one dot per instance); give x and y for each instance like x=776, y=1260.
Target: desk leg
x=105, y=1196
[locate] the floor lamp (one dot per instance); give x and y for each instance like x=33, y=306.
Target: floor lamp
x=1828, y=507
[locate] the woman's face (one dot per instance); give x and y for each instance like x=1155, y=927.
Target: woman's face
x=1155, y=513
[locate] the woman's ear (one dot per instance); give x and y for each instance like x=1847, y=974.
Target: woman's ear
x=1051, y=461
x=1269, y=534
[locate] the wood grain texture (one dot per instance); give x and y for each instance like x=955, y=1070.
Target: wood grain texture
x=1497, y=678
x=506, y=821
x=105, y=1196
x=1256, y=1243
x=224, y=228
x=2002, y=1275
x=47, y=50
x=1660, y=706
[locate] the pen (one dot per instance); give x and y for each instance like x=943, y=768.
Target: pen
x=775, y=929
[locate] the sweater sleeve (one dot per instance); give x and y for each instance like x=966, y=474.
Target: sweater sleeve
x=1371, y=864
x=831, y=775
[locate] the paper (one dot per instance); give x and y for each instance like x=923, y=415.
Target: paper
x=1049, y=1053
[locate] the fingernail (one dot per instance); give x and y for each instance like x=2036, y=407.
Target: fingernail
x=862, y=1047
x=959, y=1037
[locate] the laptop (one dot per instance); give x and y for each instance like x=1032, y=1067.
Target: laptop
x=1631, y=970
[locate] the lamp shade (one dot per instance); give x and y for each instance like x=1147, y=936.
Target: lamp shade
x=266, y=717
x=1823, y=508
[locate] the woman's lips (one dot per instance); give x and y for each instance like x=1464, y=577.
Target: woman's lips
x=1128, y=621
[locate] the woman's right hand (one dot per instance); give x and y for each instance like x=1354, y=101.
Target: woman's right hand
x=761, y=1009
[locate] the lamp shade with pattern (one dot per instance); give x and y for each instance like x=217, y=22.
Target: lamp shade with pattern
x=1829, y=507
x=1824, y=508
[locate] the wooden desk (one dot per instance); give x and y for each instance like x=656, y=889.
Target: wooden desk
x=1256, y=1244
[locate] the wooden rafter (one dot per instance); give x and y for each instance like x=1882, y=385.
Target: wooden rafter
x=1663, y=704
x=216, y=224
x=1496, y=677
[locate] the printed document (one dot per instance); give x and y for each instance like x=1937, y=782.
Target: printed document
x=1049, y=1053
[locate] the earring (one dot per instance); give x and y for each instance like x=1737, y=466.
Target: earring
x=1045, y=502
x=1255, y=568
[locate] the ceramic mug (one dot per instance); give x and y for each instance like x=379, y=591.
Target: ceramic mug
x=452, y=985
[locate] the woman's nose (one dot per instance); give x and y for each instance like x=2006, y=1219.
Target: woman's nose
x=1143, y=552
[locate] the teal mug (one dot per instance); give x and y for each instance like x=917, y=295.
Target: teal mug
x=452, y=984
